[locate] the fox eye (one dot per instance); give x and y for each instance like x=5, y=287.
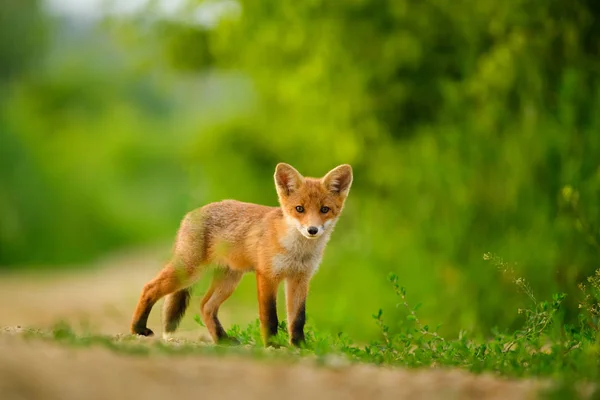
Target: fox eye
x=300, y=209
x=324, y=210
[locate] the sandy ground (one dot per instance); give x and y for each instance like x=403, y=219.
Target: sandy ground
x=101, y=295
x=103, y=298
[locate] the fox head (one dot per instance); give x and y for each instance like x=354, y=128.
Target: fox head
x=312, y=205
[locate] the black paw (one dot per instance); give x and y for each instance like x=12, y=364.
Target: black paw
x=300, y=343
x=142, y=331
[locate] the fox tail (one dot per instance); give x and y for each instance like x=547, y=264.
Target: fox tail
x=174, y=308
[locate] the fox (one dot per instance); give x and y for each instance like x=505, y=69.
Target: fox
x=279, y=244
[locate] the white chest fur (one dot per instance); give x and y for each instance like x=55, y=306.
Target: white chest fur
x=300, y=255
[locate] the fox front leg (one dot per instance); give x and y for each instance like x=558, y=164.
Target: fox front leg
x=267, y=305
x=296, y=290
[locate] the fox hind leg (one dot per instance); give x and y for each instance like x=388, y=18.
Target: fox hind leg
x=222, y=286
x=169, y=280
x=190, y=255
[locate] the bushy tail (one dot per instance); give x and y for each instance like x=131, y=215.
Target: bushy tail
x=174, y=309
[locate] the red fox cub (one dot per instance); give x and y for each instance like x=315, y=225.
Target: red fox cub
x=283, y=243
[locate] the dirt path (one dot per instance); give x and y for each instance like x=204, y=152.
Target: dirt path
x=38, y=370
x=104, y=296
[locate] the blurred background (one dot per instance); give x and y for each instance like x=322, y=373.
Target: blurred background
x=463, y=121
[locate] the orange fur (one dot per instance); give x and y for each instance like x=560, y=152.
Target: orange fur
x=283, y=243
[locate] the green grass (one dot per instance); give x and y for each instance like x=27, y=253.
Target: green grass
x=542, y=347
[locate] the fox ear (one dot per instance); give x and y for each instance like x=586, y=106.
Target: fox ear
x=338, y=180
x=287, y=179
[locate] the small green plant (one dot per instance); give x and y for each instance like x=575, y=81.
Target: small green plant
x=539, y=315
x=590, y=304
x=198, y=320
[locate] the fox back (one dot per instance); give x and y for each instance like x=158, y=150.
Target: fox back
x=284, y=240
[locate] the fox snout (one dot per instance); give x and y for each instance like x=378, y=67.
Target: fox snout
x=312, y=232
x=315, y=229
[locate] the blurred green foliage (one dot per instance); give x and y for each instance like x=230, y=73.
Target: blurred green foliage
x=463, y=121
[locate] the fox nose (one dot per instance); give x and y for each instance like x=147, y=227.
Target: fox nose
x=313, y=230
